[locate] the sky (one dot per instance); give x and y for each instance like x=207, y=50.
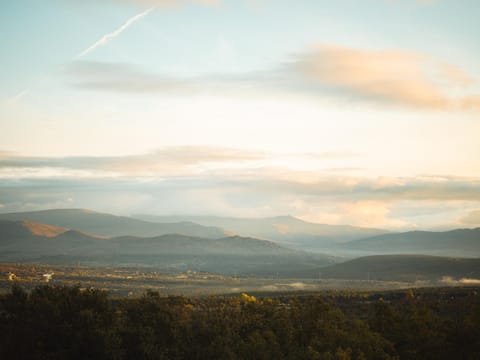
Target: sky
x=340, y=112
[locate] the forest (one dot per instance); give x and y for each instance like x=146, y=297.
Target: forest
x=70, y=322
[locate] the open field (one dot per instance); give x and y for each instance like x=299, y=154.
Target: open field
x=131, y=281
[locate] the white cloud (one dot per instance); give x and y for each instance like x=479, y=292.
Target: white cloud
x=245, y=191
x=179, y=160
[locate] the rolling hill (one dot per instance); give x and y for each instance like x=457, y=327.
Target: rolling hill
x=23, y=240
x=111, y=225
x=459, y=242
x=404, y=268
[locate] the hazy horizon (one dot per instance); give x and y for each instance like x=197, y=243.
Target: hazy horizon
x=332, y=112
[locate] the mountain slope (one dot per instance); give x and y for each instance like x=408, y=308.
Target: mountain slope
x=111, y=225
x=460, y=242
x=43, y=229
x=287, y=229
x=10, y=231
x=21, y=240
x=403, y=268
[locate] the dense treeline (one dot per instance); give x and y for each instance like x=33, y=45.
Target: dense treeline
x=71, y=323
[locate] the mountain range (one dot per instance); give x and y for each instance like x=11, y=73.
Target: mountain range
x=27, y=241
x=279, y=245
x=288, y=230
x=110, y=225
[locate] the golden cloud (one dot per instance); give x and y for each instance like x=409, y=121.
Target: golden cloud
x=400, y=77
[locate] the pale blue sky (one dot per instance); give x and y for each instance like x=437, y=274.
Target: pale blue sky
x=39, y=36
x=346, y=95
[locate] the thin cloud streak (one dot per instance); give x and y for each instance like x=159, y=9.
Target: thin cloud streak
x=18, y=96
x=166, y=160
x=126, y=78
x=108, y=37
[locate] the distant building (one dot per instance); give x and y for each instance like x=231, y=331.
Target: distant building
x=12, y=276
x=47, y=276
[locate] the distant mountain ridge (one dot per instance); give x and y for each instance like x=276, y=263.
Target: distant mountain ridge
x=282, y=244
x=111, y=225
x=287, y=229
x=233, y=254
x=22, y=239
x=458, y=242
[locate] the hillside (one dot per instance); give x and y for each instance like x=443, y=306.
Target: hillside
x=460, y=242
x=111, y=225
x=12, y=232
x=287, y=229
x=404, y=268
x=27, y=240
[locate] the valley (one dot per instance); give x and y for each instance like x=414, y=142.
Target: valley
x=83, y=246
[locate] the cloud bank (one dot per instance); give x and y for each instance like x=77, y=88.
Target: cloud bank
x=248, y=169
x=228, y=181
x=329, y=201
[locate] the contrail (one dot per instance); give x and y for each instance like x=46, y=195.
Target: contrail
x=106, y=38
x=18, y=96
